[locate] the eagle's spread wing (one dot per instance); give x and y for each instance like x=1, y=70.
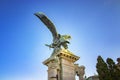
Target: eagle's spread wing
x=48, y=23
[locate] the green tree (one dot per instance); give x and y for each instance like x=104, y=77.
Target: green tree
x=113, y=69
x=111, y=66
x=102, y=69
x=108, y=70
x=117, y=69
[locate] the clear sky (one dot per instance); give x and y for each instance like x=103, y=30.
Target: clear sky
x=93, y=24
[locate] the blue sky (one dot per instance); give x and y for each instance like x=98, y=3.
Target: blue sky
x=93, y=24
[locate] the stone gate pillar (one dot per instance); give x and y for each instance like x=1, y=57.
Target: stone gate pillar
x=61, y=66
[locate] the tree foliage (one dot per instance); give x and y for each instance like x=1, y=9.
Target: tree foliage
x=107, y=70
x=102, y=69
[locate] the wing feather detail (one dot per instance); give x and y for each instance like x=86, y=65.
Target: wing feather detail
x=48, y=24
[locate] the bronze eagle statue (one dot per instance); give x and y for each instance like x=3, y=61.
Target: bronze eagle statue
x=58, y=40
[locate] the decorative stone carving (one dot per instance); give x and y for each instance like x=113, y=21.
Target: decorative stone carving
x=80, y=71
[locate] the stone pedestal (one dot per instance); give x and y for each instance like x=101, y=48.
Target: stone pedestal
x=61, y=66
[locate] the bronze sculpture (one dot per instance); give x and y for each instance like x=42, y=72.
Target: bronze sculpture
x=58, y=40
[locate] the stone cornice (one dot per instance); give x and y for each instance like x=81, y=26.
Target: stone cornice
x=63, y=53
x=66, y=54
